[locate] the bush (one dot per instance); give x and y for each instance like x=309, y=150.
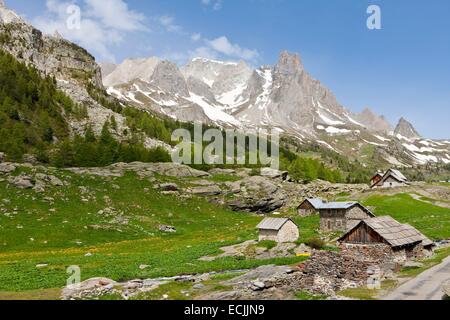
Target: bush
x=268, y=244
x=316, y=243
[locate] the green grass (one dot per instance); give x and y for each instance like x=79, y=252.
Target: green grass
x=267, y=244
x=438, y=257
x=304, y=295
x=32, y=234
x=364, y=293
x=431, y=220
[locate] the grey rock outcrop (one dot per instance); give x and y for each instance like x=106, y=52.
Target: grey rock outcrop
x=6, y=168
x=406, y=129
x=22, y=181
x=258, y=194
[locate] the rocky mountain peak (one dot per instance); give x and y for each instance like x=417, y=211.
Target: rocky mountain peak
x=373, y=122
x=406, y=129
x=7, y=15
x=168, y=78
x=129, y=70
x=289, y=63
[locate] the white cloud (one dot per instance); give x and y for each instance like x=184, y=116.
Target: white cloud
x=103, y=25
x=115, y=14
x=224, y=46
x=168, y=22
x=196, y=37
x=217, y=49
x=214, y=4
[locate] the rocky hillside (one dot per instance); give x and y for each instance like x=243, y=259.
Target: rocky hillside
x=75, y=71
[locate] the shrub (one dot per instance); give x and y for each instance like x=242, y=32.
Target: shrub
x=316, y=243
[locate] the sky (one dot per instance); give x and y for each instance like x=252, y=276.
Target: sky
x=402, y=69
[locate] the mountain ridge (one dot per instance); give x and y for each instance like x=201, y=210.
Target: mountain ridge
x=284, y=97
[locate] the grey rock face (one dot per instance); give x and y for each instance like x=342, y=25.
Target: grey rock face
x=406, y=129
x=169, y=78
x=373, y=122
x=107, y=68
x=258, y=194
x=129, y=70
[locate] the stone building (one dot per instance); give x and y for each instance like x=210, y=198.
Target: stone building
x=278, y=229
x=309, y=207
x=391, y=179
x=341, y=216
x=404, y=241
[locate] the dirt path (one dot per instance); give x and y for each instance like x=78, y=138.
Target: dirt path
x=426, y=286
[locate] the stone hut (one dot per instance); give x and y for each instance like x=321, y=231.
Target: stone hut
x=309, y=207
x=404, y=241
x=278, y=229
x=391, y=179
x=342, y=216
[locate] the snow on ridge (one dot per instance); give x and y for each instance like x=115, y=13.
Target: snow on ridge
x=234, y=97
x=327, y=145
x=205, y=60
x=328, y=120
x=213, y=112
x=208, y=82
x=131, y=96
x=423, y=159
x=382, y=138
x=374, y=143
x=115, y=92
x=394, y=161
x=263, y=98
x=414, y=148
x=333, y=130
x=354, y=121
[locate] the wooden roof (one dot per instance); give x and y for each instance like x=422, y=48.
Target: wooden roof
x=393, y=232
x=393, y=173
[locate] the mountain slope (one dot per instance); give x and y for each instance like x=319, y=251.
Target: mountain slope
x=284, y=97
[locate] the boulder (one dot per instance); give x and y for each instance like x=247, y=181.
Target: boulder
x=274, y=174
x=169, y=229
x=257, y=285
x=234, y=187
x=222, y=171
x=261, y=274
x=22, y=181
x=168, y=187
x=176, y=170
x=6, y=168
x=258, y=194
x=413, y=264
x=206, y=191
x=88, y=288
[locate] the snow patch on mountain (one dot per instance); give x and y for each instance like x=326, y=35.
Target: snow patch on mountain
x=213, y=112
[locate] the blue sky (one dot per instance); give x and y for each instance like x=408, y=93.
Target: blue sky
x=401, y=70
